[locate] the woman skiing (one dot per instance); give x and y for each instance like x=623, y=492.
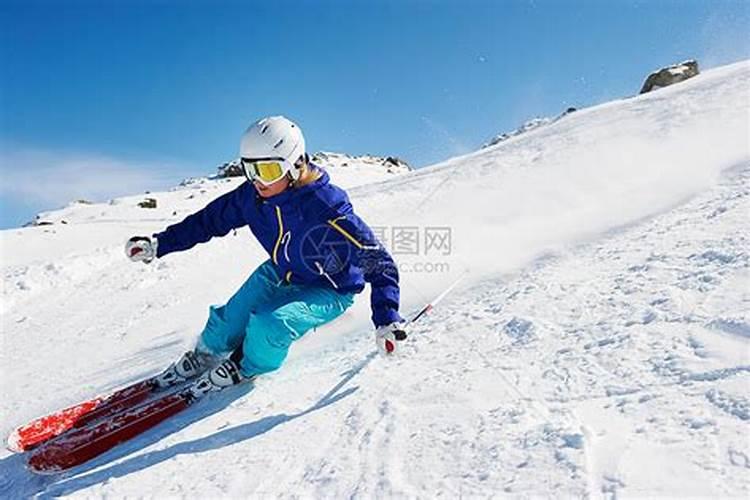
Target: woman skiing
x=321, y=254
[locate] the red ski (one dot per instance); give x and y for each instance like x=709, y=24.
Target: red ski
x=44, y=428
x=80, y=445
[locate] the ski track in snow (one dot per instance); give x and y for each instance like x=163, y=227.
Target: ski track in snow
x=613, y=367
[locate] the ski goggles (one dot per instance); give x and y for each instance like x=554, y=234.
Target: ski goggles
x=265, y=170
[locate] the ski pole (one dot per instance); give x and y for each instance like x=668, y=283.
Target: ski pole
x=401, y=334
x=430, y=305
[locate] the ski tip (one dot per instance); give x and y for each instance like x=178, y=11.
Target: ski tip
x=14, y=442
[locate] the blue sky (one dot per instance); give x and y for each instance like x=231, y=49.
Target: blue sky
x=104, y=98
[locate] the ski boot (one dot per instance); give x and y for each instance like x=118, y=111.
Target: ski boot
x=225, y=375
x=190, y=365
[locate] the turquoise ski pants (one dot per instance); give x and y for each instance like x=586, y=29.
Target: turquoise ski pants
x=265, y=316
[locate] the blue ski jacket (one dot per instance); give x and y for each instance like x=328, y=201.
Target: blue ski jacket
x=312, y=235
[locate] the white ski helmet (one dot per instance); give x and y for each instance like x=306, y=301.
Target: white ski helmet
x=275, y=137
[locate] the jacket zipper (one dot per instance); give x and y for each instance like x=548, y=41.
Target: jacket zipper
x=322, y=272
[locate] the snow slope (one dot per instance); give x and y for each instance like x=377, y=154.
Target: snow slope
x=598, y=345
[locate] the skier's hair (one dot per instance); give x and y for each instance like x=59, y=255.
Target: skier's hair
x=306, y=175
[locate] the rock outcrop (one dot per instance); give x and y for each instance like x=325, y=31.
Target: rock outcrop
x=148, y=203
x=670, y=75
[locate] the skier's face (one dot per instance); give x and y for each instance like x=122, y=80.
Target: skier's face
x=272, y=190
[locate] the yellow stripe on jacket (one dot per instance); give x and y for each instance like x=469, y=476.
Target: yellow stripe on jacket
x=281, y=235
x=347, y=235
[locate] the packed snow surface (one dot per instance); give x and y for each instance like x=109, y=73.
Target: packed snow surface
x=597, y=345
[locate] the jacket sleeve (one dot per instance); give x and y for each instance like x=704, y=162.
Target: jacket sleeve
x=376, y=264
x=215, y=219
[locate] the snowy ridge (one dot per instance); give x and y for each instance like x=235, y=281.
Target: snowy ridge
x=528, y=126
x=597, y=347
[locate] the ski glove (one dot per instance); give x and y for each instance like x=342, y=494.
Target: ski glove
x=386, y=337
x=141, y=248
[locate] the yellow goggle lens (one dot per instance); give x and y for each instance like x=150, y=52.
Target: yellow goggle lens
x=268, y=171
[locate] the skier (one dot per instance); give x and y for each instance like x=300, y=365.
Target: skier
x=321, y=254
